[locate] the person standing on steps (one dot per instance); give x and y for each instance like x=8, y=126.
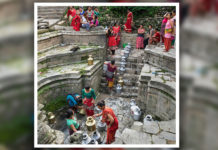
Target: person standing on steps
x=164, y=21
x=129, y=22
x=110, y=74
x=72, y=123
x=140, y=38
x=168, y=33
x=111, y=120
x=88, y=97
x=112, y=44
x=116, y=30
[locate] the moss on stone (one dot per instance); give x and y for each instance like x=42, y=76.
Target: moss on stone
x=43, y=71
x=167, y=94
x=43, y=90
x=164, y=81
x=55, y=104
x=82, y=71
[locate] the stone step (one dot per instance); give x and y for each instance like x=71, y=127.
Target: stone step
x=128, y=95
x=129, y=59
x=126, y=82
x=51, y=13
x=130, y=89
x=131, y=65
x=51, y=8
x=51, y=16
x=130, y=71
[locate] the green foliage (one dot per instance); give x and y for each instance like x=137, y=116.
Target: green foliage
x=138, y=12
x=55, y=104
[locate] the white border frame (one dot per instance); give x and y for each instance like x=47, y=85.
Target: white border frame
x=36, y=145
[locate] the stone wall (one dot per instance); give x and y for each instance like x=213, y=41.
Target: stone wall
x=156, y=97
x=67, y=58
x=69, y=36
x=49, y=42
x=85, y=38
x=63, y=84
x=162, y=60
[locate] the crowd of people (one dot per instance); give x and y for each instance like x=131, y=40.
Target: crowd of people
x=80, y=18
x=88, y=103
x=153, y=36
x=87, y=19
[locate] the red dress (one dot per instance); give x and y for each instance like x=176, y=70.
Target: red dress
x=140, y=39
x=117, y=32
x=76, y=21
x=73, y=14
x=112, y=130
x=112, y=43
x=128, y=27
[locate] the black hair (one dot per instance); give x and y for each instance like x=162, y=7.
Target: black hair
x=115, y=24
x=87, y=87
x=109, y=31
x=69, y=113
x=113, y=62
x=156, y=29
x=150, y=25
x=101, y=103
x=174, y=11
x=96, y=17
x=171, y=14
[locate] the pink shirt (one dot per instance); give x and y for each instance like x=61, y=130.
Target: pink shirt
x=168, y=26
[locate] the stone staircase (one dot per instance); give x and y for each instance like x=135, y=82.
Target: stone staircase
x=130, y=76
x=50, y=12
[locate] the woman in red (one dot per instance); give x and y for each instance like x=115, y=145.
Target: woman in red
x=116, y=29
x=109, y=117
x=76, y=21
x=127, y=26
x=112, y=44
x=88, y=98
x=71, y=13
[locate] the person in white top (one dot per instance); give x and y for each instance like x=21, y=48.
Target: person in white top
x=85, y=21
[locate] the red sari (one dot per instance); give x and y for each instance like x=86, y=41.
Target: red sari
x=112, y=43
x=73, y=14
x=140, y=39
x=76, y=21
x=128, y=27
x=117, y=32
x=112, y=130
